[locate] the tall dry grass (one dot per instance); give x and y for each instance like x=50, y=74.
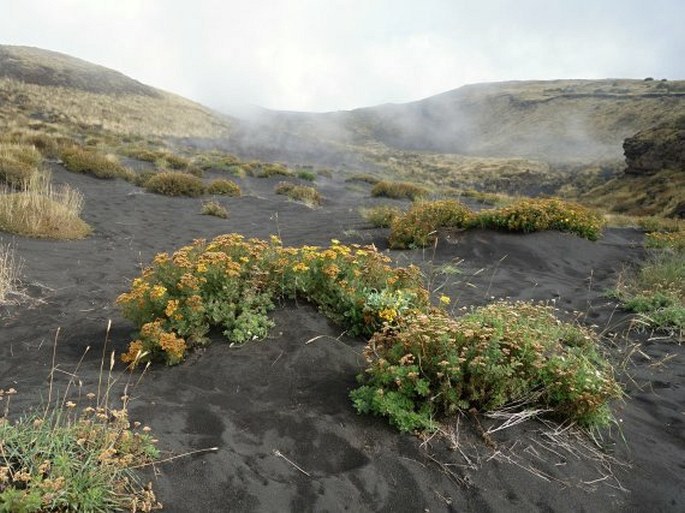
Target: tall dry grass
x=10, y=270
x=42, y=210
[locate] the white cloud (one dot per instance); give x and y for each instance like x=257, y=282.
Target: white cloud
x=325, y=55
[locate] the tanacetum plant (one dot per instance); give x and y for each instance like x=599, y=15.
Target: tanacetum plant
x=418, y=227
x=230, y=283
x=430, y=365
x=534, y=215
x=423, y=364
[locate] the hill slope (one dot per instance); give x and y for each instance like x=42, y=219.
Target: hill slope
x=557, y=121
x=50, y=90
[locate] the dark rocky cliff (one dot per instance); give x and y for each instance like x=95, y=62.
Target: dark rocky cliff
x=655, y=149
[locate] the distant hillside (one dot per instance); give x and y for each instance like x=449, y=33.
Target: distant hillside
x=557, y=121
x=59, y=92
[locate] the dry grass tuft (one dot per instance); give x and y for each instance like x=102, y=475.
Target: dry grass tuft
x=307, y=195
x=44, y=211
x=10, y=269
x=399, y=190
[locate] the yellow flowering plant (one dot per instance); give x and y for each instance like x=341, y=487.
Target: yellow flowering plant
x=422, y=363
x=428, y=365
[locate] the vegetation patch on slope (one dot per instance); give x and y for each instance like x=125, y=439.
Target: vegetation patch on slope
x=423, y=364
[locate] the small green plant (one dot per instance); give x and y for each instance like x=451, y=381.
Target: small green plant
x=175, y=184
x=656, y=291
x=399, y=190
x=91, y=162
x=532, y=215
x=418, y=227
x=213, y=208
x=224, y=188
x=381, y=216
x=307, y=195
x=429, y=365
x=67, y=460
x=305, y=174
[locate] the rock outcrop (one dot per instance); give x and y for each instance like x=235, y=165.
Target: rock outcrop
x=655, y=149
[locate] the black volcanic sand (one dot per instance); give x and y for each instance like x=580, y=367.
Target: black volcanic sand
x=278, y=410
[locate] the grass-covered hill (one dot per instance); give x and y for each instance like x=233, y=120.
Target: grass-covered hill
x=53, y=92
x=561, y=120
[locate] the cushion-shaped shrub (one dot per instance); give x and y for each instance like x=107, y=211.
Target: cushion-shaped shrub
x=532, y=215
x=418, y=227
x=224, y=188
x=175, y=184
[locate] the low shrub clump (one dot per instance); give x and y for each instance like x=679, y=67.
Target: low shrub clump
x=91, y=162
x=212, y=208
x=381, y=216
x=423, y=364
x=418, y=227
x=656, y=291
x=175, y=184
x=74, y=461
x=308, y=195
x=41, y=210
x=429, y=365
x=533, y=215
x=224, y=188
x=305, y=174
x=230, y=283
x=266, y=170
x=161, y=158
x=18, y=164
x=398, y=190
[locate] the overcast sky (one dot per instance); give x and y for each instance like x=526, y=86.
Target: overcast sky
x=320, y=55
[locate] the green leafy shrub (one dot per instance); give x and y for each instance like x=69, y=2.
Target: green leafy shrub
x=533, y=215
x=212, y=208
x=656, y=291
x=91, y=162
x=74, y=461
x=264, y=170
x=430, y=365
x=175, y=184
x=230, y=283
x=666, y=240
x=381, y=216
x=224, y=188
x=417, y=228
x=398, y=190
x=308, y=195
x=307, y=175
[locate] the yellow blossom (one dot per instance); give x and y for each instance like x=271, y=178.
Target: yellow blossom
x=300, y=268
x=445, y=300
